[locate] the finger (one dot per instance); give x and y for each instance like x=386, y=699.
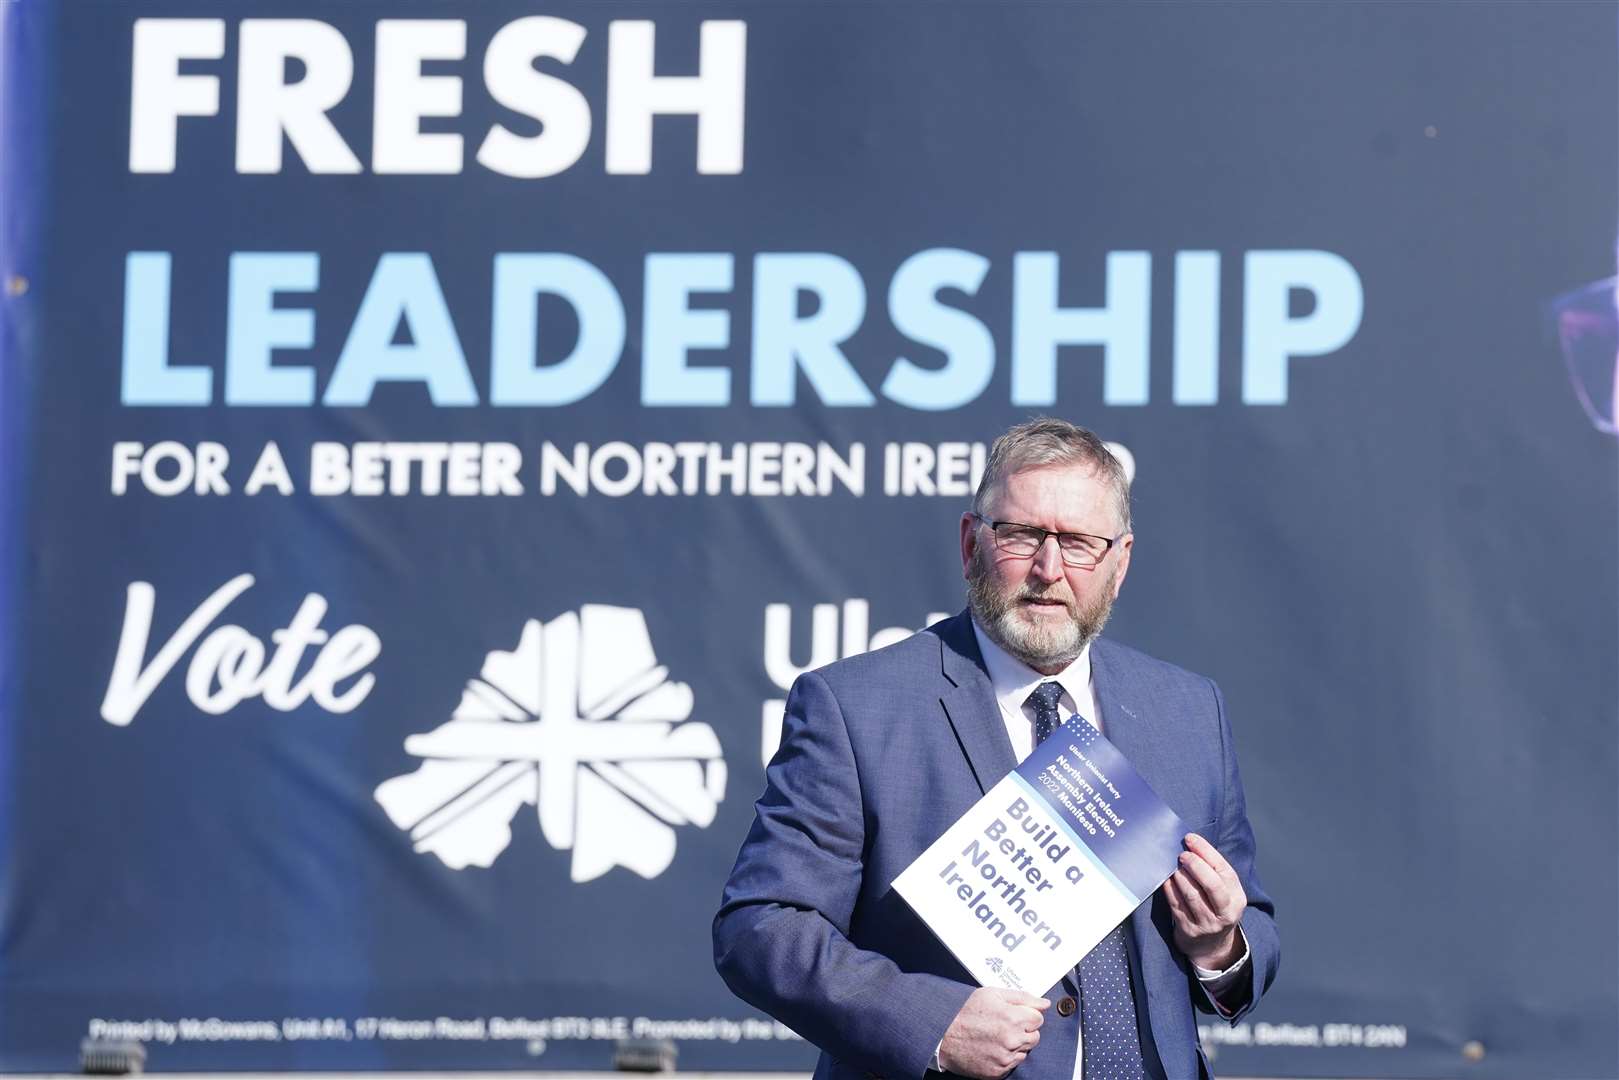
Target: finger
x=1189, y=913
x=1195, y=907
x=1030, y=1020
x=1005, y=1061
x=1172, y=895
x=1208, y=881
x=1023, y=997
x=1209, y=853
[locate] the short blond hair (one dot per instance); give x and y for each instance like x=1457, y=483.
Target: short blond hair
x=1044, y=441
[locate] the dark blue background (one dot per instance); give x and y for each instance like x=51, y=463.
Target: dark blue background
x=1403, y=579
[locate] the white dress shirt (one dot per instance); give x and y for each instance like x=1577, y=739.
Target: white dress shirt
x=1013, y=681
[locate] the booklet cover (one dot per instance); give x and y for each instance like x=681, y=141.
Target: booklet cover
x=1046, y=864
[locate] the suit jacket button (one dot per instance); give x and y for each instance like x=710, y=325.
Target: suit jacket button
x=1066, y=1006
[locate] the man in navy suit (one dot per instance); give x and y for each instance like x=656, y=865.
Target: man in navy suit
x=882, y=752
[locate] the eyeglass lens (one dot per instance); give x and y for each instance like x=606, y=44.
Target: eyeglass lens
x=1077, y=549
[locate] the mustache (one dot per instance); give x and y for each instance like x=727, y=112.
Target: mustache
x=1063, y=596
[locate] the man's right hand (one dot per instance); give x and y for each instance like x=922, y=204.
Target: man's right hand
x=992, y=1033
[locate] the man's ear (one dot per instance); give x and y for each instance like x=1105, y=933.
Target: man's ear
x=1125, y=544
x=969, y=540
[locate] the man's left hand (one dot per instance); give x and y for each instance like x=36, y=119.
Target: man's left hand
x=1207, y=902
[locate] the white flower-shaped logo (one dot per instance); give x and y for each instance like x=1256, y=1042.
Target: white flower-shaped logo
x=580, y=721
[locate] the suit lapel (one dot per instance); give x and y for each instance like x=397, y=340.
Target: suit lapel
x=1149, y=745
x=970, y=704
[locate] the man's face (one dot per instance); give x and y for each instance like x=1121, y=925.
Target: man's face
x=1036, y=607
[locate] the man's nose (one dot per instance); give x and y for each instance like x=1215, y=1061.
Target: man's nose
x=1047, y=561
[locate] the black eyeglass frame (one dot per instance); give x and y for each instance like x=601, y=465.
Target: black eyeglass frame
x=1107, y=544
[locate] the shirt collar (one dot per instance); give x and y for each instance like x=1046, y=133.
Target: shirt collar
x=1013, y=680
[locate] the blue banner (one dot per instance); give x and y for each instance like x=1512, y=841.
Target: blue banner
x=433, y=438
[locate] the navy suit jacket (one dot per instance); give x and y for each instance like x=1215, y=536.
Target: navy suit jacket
x=881, y=753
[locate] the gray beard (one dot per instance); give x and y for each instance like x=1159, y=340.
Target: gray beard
x=1045, y=649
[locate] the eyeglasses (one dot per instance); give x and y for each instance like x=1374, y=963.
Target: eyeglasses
x=1079, y=550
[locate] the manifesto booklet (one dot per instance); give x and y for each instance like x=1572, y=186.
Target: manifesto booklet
x=1046, y=864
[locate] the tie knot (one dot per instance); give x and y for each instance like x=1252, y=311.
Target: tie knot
x=1045, y=695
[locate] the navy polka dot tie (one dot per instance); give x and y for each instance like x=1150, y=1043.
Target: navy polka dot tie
x=1046, y=718
x=1107, y=1018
